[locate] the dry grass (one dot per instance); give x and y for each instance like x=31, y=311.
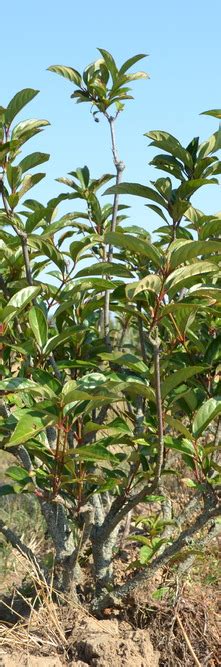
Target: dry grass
x=41, y=630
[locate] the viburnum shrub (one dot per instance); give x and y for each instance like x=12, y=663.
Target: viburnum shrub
x=110, y=369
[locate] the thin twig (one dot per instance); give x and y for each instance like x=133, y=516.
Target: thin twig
x=188, y=641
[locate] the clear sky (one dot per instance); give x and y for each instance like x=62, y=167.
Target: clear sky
x=184, y=47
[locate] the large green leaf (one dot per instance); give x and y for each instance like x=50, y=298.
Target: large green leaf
x=19, y=301
x=27, y=129
x=178, y=378
x=138, y=190
x=187, y=188
x=211, y=145
x=60, y=338
x=213, y=352
x=128, y=360
x=137, y=246
x=190, y=249
x=178, y=278
x=38, y=324
x=152, y=283
x=177, y=425
x=94, y=453
x=72, y=392
x=28, y=427
x=167, y=142
x=181, y=311
x=110, y=63
x=212, y=227
x=206, y=414
x=68, y=72
x=47, y=248
x=130, y=62
x=216, y=113
x=135, y=388
x=207, y=291
x=18, y=102
x=18, y=473
x=28, y=182
x=184, y=446
x=33, y=160
x=105, y=268
x=77, y=248
x=20, y=384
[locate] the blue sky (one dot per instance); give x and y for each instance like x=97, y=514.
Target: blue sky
x=183, y=43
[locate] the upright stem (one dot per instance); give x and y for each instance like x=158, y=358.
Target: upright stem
x=160, y=454
x=26, y=259
x=119, y=170
x=142, y=338
x=155, y=341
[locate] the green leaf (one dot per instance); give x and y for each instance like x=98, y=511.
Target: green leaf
x=181, y=312
x=212, y=145
x=189, y=482
x=18, y=102
x=76, y=395
x=91, y=380
x=46, y=379
x=33, y=160
x=135, y=388
x=167, y=142
x=38, y=324
x=27, y=129
x=178, y=378
x=28, y=427
x=160, y=593
x=169, y=164
x=128, y=360
x=177, y=425
x=78, y=247
x=178, y=278
x=184, y=446
x=94, y=453
x=152, y=283
x=164, y=187
x=19, y=301
x=110, y=63
x=48, y=249
x=105, y=268
x=137, y=246
x=28, y=182
x=17, y=473
x=73, y=392
x=130, y=62
x=14, y=176
x=58, y=339
x=138, y=190
x=187, y=188
x=206, y=414
x=145, y=554
x=207, y=291
x=211, y=228
x=213, y=352
x=190, y=249
x=20, y=384
x=216, y=113
x=68, y=72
